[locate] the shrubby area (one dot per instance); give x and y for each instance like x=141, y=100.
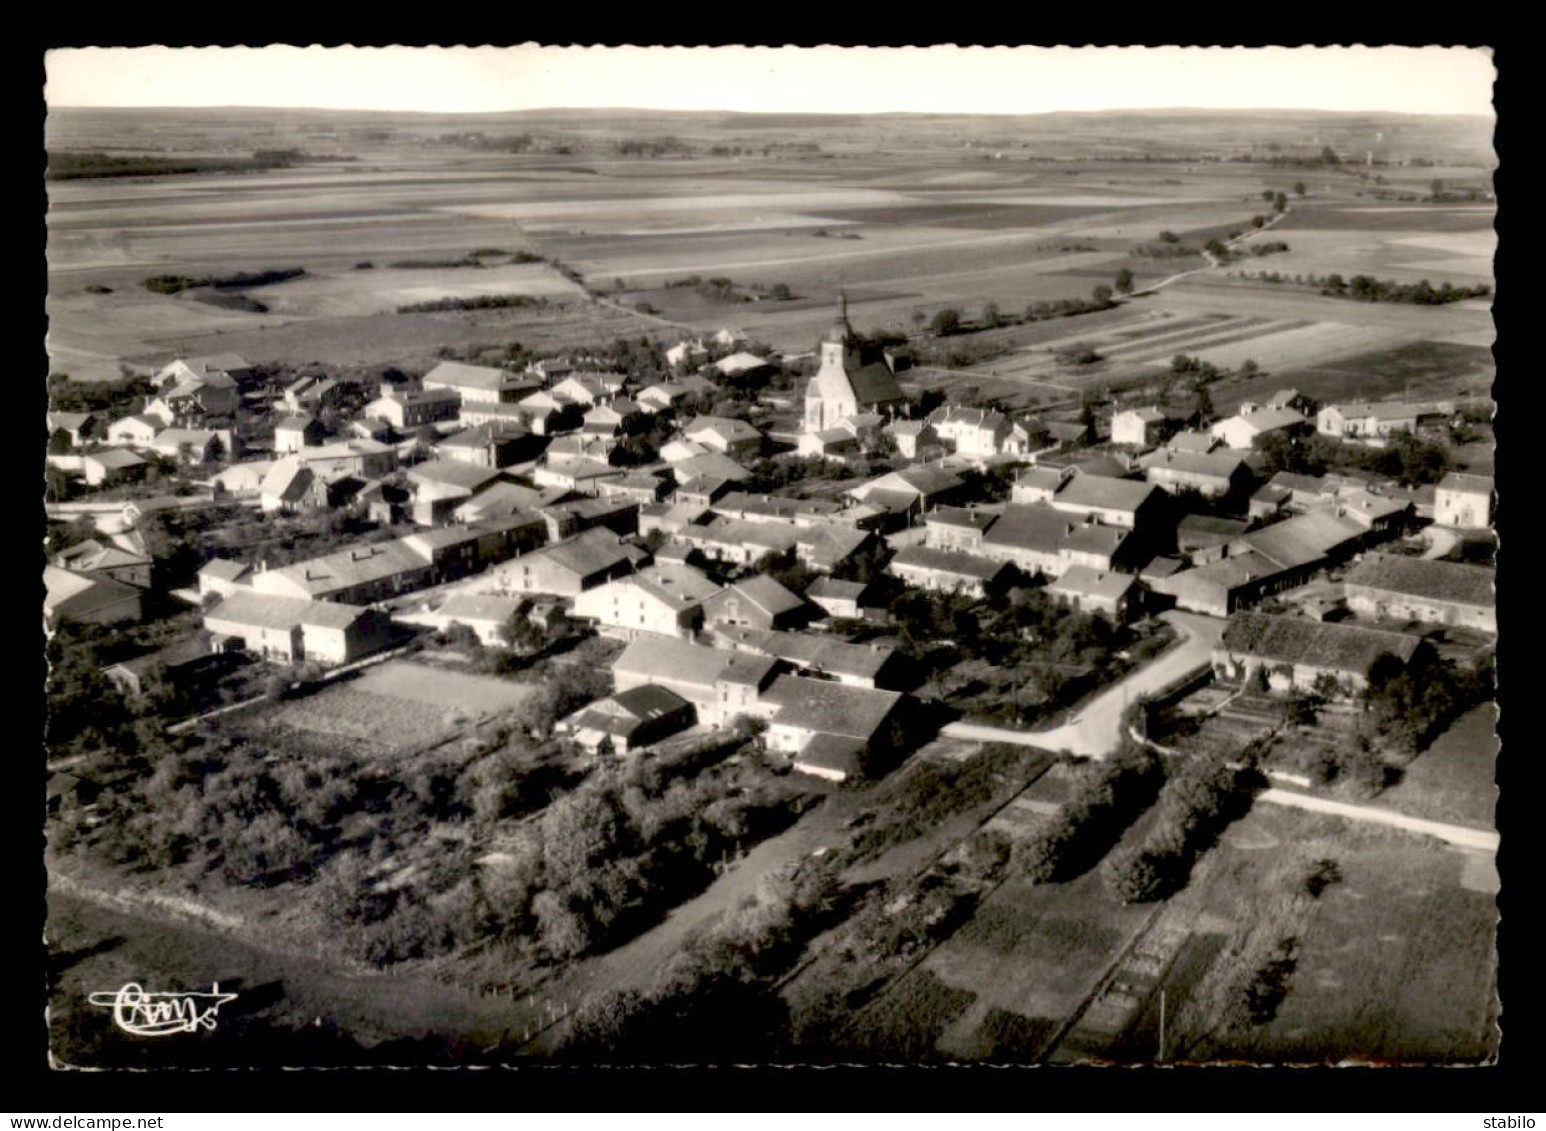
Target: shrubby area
x=1106, y=798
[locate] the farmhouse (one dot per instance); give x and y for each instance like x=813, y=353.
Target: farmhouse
x=850, y=380
x=1464, y=500
x=210, y=396
x=755, y=602
x=719, y=684
x=842, y=599
x=1140, y=427
x=1378, y=514
x=499, y=499
x=978, y=432
x=362, y=459
x=1096, y=591
x=1030, y=536
x=858, y=665
x=778, y=508
x=223, y=576
x=491, y=445
x=480, y=384
x=486, y=614
x=293, y=433
x=294, y=629
x=134, y=431
x=81, y=599
x=725, y=435
x=708, y=465
x=957, y=528
x=947, y=571
x=309, y=394
x=687, y=354
x=829, y=728
x=230, y=365
x=1115, y=502
x=1387, y=587
x=741, y=363
x=72, y=424
x=358, y=575
x=910, y=490
x=1244, y=430
x=567, y=569
x=1297, y=653
x=915, y=439
x=188, y=445
x=666, y=600
x=618, y=514
x=287, y=487
x=1198, y=443
x=97, y=560
x=184, y=665
x=1210, y=475
x=629, y=719
x=103, y=469
x=1364, y=421
x=413, y=408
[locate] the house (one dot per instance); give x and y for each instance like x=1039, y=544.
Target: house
x=915, y=439
x=639, y=487
x=661, y=599
x=287, y=487
x=724, y=435
x=414, y=408
x=230, y=365
x=671, y=518
x=1096, y=591
x=1204, y=537
x=738, y=365
x=1297, y=653
x=827, y=547
x=486, y=614
x=703, y=491
x=223, y=575
x=1365, y=421
x=1379, y=515
x=567, y=569
x=189, y=445
x=294, y=629
x=1212, y=475
x=851, y=379
x=910, y=490
x=240, y=478
x=1029, y=535
x=443, y=479
x=824, y=657
x=1266, y=561
x=978, y=432
x=545, y=414
x=947, y=571
x=73, y=424
x=960, y=529
x=830, y=729
x=619, y=514
x=1039, y=484
x=1465, y=501
x=358, y=575
x=831, y=443
x=728, y=339
x=474, y=413
x=293, y=433
x=612, y=418
x=1244, y=430
x=629, y=719
x=663, y=396
x=687, y=354
x=81, y=599
x=1116, y=502
x=134, y=431
x=582, y=389
x=841, y=599
x=362, y=459
x=778, y=508
x=721, y=685
x=185, y=665
x=708, y=465
x=576, y=474
x=1097, y=547
x=207, y=397
x=104, y=469
x=755, y=602
x=491, y=445
x=311, y=394
x=95, y=559
x=477, y=384
x=1388, y=587
x=1140, y=427
x=1198, y=443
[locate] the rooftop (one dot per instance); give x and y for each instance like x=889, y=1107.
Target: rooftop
x=677, y=661
x=265, y=610
x=1467, y=484
x=1434, y=580
x=948, y=561
x=1083, y=581
x=1299, y=640
x=828, y=707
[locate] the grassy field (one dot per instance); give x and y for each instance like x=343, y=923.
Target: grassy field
x=1454, y=779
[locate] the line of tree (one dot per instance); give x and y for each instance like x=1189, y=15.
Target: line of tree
x=172, y=284
x=1106, y=798
x=1364, y=288
x=476, y=302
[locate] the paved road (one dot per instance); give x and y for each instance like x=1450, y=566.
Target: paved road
x=1454, y=834
x=1095, y=730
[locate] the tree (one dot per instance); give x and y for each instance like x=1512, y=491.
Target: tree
x=58, y=442
x=1168, y=236
x=1299, y=189
x=1249, y=368
x=1280, y=203
x=946, y=322
x=1204, y=404
x=991, y=316
x=1102, y=294
x=1266, y=194
x=1329, y=156
x=1125, y=281
x=1258, y=221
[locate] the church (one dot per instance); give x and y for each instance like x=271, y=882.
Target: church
x=852, y=380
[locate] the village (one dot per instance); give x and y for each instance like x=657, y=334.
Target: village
x=974, y=619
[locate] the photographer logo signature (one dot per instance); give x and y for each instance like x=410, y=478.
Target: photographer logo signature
x=160, y=1015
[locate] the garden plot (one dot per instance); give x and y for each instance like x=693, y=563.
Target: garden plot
x=467, y=694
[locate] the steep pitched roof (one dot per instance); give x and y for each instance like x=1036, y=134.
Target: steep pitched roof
x=1102, y=584
x=1466, y=484
x=828, y=707
x=948, y=561
x=1100, y=492
x=1303, y=540
x=677, y=661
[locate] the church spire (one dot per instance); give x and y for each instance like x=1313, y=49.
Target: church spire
x=841, y=331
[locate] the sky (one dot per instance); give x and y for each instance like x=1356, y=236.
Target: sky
x=1011, y=80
